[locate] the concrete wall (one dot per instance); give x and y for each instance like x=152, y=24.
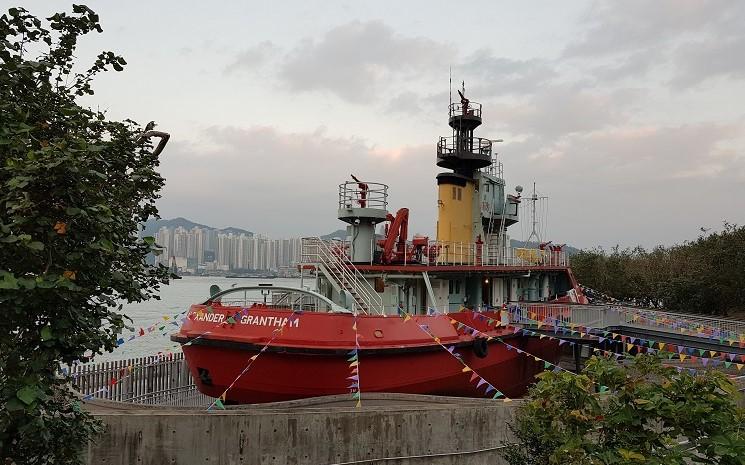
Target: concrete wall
x=308, y=432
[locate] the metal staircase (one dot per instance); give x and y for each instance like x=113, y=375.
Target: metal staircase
x=342, y=274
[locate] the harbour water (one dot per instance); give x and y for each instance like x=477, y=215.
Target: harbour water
x=174, y=298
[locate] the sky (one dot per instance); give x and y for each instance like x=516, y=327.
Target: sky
x=629, y=116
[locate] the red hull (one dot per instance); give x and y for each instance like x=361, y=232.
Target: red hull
x=310, y=359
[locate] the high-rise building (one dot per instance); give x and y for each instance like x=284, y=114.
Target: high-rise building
x=164, y=238
x=180, y=242
x=214, y=250
x=199, y=241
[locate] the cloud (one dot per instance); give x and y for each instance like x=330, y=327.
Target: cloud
x=408, y=103
x=252, y=57
x=558, y=110
x=286, y=184
x=613, y=28
x=356, y=61
x=698, y=61
x=632, y=184
x=629, y=155
x=493, y=75
x=602, y=126
x=688, y=41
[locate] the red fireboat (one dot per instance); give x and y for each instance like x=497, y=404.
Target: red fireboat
x=389, y=314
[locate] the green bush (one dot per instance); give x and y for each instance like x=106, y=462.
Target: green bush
x=641, y=414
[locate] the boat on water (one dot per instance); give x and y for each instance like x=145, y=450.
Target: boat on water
x=388, y=313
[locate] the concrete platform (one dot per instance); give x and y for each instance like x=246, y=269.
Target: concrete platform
x=389, y=428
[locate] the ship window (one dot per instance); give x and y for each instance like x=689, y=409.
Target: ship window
x=455, y=189
x=459, y=192
x=450, y=286
x=457, y=286
x=487, y=188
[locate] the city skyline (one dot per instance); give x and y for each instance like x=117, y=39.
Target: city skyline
x=204, y=250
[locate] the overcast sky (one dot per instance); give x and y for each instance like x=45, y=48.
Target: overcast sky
x=629, y=115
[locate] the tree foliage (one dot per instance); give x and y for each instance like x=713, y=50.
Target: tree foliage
x=641, y=414
x=703, y=276
x=74, y=188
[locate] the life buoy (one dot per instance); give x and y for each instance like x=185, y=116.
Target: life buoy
x=480, y=347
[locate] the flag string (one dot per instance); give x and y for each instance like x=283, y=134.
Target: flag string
x=683, y=352
x=475, y=377
x=354, y=366
x=515, y=329
x=695, y=328
x=219, y=401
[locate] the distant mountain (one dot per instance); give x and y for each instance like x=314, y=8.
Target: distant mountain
x=152, y=226
x=339, y=234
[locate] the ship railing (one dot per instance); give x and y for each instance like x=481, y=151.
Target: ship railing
x=271, y=298
x=440, y=253
x=363, y=195
x=459, y=109
x=450, y=146
x=343, y=272
x=496, y=169
x=306, y=304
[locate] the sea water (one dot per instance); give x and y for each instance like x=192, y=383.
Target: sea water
x=174, y=299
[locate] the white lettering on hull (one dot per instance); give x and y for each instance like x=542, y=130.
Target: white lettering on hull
x=255, y=320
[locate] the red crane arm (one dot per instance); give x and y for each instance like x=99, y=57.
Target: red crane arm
x=399, y=229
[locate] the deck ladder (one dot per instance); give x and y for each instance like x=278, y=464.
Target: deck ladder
x=337, y=267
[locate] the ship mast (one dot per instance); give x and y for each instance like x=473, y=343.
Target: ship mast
x=533, y=199
x=474, y=210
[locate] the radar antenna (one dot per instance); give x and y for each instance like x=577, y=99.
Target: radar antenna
x=533, y=199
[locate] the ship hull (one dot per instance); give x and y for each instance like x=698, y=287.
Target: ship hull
x=278, y=376
x=269, y=355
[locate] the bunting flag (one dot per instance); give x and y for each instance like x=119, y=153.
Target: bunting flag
x=556, y=368
x=354, y=366
x=475, y=377
x=138, y=333
x=253, y=358
x=681, y=324
x=641, y=344
x=675, y=322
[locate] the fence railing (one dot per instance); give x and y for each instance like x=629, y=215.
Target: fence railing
x=696, y=325
x=601, y=316
x=152, y=380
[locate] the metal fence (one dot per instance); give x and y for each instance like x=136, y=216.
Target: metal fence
x=602, y=316
x=152, y=380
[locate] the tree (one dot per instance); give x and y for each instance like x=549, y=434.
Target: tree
x=643, y=413
x=74, y=188
x=703, y=276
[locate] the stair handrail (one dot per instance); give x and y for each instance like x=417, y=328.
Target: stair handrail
x=340, y=263
x=349, y=273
